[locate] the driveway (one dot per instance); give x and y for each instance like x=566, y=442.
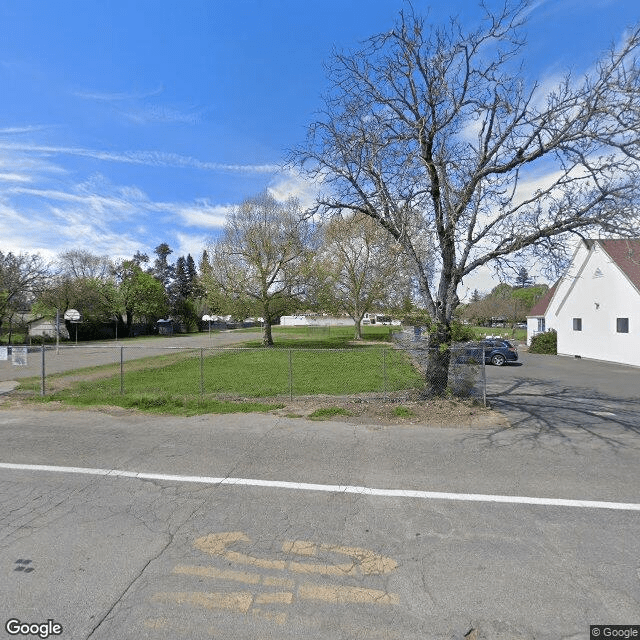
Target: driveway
x=89, y=354
x=557, y=395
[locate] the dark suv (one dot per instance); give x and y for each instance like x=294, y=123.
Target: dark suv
x=496, y=351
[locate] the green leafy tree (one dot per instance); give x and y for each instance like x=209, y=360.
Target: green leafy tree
x=22, y=277
x=161, y=269
x=361, y=267
x=142, y=296
x=523, y=279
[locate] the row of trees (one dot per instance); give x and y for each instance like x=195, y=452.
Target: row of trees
x=510, y=304
x=121, y=294
x=271, y=260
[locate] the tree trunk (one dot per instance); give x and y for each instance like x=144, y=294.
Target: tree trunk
x=267, y=339
x=129, y=323
x=438, y=360
x=358, y=329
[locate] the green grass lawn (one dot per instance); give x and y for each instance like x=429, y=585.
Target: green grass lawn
x=222, y=380
x=324, y=337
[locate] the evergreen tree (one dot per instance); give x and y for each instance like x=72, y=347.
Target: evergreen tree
x=522, y=279
x=192, y=272
x=181, y=282
x=162, y=270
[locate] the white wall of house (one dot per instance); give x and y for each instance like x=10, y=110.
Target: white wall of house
x=535, y=325
x=586, y=312
x=549, y=321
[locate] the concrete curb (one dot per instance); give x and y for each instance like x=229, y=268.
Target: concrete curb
x=7, y=385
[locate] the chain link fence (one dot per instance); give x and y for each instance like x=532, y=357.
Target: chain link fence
x=236, y=372
x=464, y=377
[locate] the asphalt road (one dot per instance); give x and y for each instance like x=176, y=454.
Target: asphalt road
x=164, y=556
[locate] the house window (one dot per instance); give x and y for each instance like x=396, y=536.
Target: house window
x=541, y=325
x=622, y=325
x=577, y=324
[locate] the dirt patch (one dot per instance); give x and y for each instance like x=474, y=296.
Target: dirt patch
x=400, y=409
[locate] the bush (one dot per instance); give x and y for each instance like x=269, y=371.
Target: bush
x=545, y=343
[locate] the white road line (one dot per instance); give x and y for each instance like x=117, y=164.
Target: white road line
x=330, y=488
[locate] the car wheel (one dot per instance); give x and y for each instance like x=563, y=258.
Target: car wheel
x=498, y=360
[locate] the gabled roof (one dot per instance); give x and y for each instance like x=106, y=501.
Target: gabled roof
x=626, y=255
x=540, y=307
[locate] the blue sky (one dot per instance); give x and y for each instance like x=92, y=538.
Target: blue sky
x=127, y=124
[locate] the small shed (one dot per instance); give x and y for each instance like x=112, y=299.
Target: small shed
x=45, y=327
x=165, y=327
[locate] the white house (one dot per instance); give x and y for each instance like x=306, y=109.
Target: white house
x=595, y=306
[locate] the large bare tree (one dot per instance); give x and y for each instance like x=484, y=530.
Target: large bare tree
x=261, y=259
x=435, y=128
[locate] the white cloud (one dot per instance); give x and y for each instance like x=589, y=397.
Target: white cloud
x=190, y=244
x=292, y=184
x=117, y=96
x=150, y=114
x=147, y=158
x=15, y=177
x=25, y=129
x=202, y=214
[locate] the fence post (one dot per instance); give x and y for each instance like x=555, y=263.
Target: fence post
x=42, y=391
x=121, y=371
x=384, y=375
x=290, y=375
x=202, y=372
x=484, y=377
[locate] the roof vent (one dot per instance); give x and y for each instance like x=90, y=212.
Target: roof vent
x=598, y=273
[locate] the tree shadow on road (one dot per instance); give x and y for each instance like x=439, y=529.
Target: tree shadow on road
x=545, y=414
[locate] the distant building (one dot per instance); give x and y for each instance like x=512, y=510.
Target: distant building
x=44, y=326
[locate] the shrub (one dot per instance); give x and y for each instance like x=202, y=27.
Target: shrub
x=545, y=343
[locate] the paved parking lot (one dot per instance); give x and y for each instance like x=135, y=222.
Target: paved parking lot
x=557, y=395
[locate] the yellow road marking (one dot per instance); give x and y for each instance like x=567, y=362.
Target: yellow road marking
x=238, y=601
x=270, y=581
x=361, y=561
x=236, y=576
x=278, y=618
x=281, y=597
x=364, y=561
x=369, y=561
x=342, y=595
x=300, y=547
x=263, y=563
x=222, y=574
